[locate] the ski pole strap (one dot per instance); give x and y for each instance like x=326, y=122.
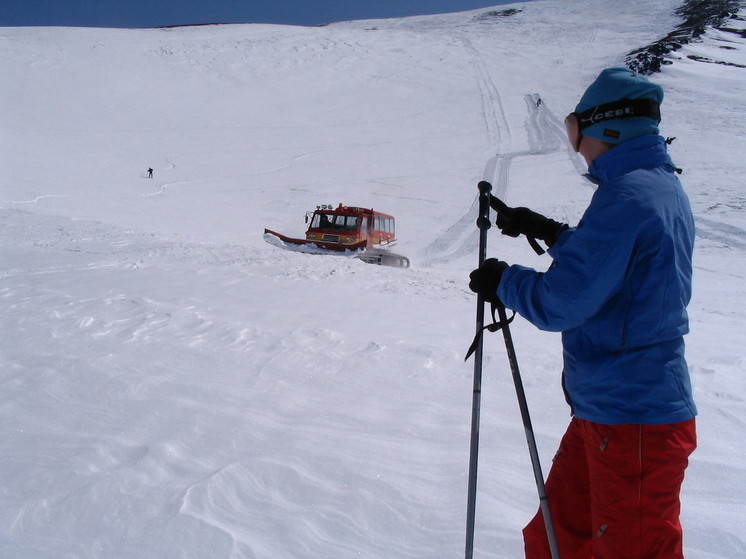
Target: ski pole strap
x=536, y=246
x=494, y=327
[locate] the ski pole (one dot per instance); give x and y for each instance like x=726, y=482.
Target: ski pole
x=484, y=225
x=483, y=222
x=532, y=449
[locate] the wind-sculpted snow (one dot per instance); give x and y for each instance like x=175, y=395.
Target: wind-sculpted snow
x=173, y=386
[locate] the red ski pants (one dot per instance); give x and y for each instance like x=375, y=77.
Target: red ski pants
x=613, y=492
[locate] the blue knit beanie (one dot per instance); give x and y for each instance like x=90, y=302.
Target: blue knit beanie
x=615, y=84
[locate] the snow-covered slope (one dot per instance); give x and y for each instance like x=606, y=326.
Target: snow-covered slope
x=173, y=386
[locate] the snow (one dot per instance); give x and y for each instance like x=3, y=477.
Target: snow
x=174, y=386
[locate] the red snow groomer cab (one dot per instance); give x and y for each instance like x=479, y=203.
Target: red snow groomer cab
x=343, y=229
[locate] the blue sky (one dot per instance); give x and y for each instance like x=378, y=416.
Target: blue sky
x=155, y=13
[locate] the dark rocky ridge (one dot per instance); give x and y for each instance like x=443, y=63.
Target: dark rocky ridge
x=697, y=16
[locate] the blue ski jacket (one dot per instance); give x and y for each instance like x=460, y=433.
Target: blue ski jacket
x=617, y=289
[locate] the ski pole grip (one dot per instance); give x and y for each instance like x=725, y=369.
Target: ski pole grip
x=483, y=221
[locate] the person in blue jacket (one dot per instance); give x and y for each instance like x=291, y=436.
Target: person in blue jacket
x=617, y=289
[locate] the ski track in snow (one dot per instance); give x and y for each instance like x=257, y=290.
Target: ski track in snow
x=546, y=135
x=34, y=201
x=729, y=236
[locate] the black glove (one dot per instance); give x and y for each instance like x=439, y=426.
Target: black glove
x=486, y=278
x=522, y=221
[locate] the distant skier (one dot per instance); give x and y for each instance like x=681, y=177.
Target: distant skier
x=150, y=172
x=538, y=101
x=617, y=289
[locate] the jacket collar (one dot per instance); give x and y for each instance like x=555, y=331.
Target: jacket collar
x=643, y=152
